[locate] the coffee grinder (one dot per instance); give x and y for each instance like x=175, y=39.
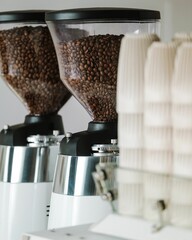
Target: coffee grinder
x=28, y=151
x=87, y=43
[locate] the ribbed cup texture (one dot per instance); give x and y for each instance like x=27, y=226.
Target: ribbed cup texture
x=182, y=110
x=159, y=69
x=157, y=114
x=131, y=158
x=130, y=77
x=181, y=195
x=158, y=124
x=130, y=192
x=182, y=115
x=158, y=72
x=158, y=138
x=182, y=165
x=182, y=140
x=158, y=161
x=182, y=80
x=154, y=104
x=130, y=131
x=181, y=203
x=130, y=86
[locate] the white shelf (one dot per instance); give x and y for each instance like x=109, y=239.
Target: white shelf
x=113, y=227
x=72, y=233
x=138, y=229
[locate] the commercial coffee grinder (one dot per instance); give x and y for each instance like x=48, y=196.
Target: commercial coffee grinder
x=87, y=43
x=28, y=151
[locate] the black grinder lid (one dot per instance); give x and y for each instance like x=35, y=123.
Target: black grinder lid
x=103, y=14
x=22, y=16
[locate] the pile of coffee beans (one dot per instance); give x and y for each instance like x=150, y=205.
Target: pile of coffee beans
x=28, y=64
x=90, y=72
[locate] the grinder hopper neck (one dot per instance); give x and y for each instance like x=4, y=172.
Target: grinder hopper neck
x=17, y=135
x=81, y=143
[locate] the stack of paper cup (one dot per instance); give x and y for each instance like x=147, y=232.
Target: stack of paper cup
x=130, y=192
x=182, y=135
x=130, y=78
x=182, y=83
x=158, y=72
x=182, y=110
x=130, y=83
x=158, y=124
x=130, y=131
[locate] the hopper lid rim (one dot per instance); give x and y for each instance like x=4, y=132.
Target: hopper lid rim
x=94, y=14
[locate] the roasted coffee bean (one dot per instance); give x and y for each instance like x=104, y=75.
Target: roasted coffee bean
x=89, y=70
x=28, y=64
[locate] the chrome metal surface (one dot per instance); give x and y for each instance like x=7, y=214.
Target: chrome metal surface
x=44, y=140
x=106, y=148
x=73, y=174
x=27, y=164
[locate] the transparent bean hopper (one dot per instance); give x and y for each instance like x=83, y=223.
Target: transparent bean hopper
x=28, y=151
x=87, y=43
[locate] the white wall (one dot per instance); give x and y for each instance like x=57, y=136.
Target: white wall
x=176, y=16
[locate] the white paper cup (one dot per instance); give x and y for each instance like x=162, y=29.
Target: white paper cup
x=130, y=192
x=181, y=192
x=131, y=158
x=181, y=202
x=157, y=114
x=182, y=115
x=182, y=81
x=130, y=199
x=158, y=72
x=158, y=161
x=157, y=186
x=158, y=138
x=182, y=165
x=130, y=130
x=130, y=77
x=182, y=141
